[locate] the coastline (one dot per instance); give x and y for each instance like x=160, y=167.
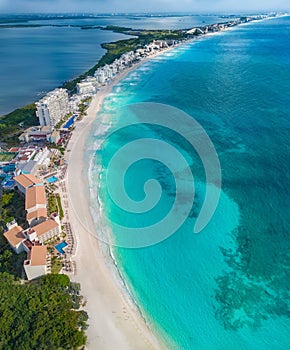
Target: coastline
x=115, y=321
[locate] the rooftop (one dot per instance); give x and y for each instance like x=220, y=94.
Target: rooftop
x=45, y=226
x=14, y=149
x=37, y=255
x=35, y=195
x=14, y=236
x=27, y=167
x=39, y=213
x=27, y=180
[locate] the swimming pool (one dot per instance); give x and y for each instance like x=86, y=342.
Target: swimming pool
x=9, y=184
x=59, y=247
x=52, y=179
x=69, y=122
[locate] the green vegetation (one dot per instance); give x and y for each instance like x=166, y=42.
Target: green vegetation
x=83, y=106
x=6, y=156
x=9, y=261
x=12, y=124
x=12, y=207
x=116, y=49
x=56, y=265
x=60, y=210
x=58, y=147
x=52, y=203
x=44, y=314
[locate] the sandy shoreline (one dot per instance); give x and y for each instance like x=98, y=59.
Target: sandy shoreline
x=114, y=320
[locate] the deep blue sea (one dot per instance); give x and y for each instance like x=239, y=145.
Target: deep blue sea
x=227, y=287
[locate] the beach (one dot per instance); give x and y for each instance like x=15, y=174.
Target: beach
x=114, y=320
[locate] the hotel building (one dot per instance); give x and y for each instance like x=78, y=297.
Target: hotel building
x=15, y=238
x=87, y=86
x=47, y=229
x=26, y=181
x=52, y=107
x=35, y=265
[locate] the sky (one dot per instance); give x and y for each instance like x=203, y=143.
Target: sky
x=127, y=6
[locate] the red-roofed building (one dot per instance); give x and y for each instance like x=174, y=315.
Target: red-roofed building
x=35, y=265
x=15, y=238
x=45, y=230
x=25, y=181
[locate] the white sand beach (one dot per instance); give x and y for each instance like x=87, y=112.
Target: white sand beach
x=114, y=320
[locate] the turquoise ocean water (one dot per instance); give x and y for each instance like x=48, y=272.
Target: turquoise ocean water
x=228, y=287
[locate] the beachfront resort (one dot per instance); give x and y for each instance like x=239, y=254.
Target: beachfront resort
x=36, y=169
x=49, y=235
x=43, y=236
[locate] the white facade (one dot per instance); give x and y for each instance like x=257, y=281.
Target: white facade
x=35, y=265
x=49, y=234
x=52, y=107
x=33, y=272
x=85, y=87
x=108, y=72
x=47, y=229
x=42, y=159
x=100, y=76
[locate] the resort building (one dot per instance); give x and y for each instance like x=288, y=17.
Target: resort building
x=36, y=217
x=41, y=227
x=54, y=137
x=25, y=181
x=100, y=76
x=36, y=133
x=87, y=86
x=15, y=238
x=27, y=168
x=53, y=107
x=108, y=72
x=35, y=198
x=47, y=229
x=25, y=154
x=42, y=158
x=35, y=265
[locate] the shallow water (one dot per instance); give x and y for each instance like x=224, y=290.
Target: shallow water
x=227, y=287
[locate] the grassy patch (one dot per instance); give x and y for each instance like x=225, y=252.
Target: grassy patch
x=6, y=156
x=52, y=203
x=56, y=265
x=60, y=210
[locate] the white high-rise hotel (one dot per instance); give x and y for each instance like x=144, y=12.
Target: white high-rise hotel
x=52, y=107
